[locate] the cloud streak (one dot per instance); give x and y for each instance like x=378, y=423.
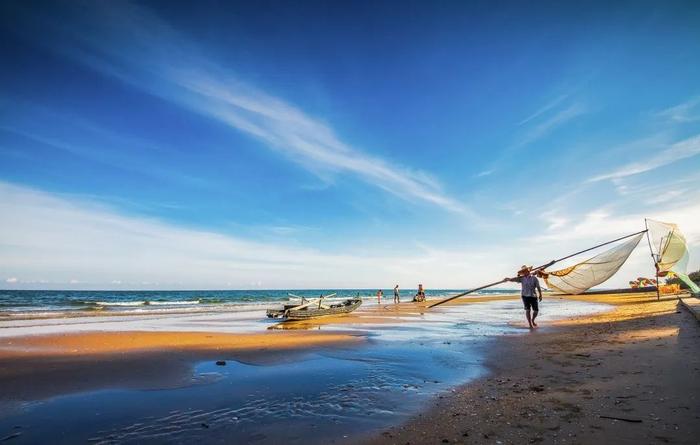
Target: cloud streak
x=688, y=111
x=550, y=105
x=130, y=43
x=548, y=125
x=680, y=150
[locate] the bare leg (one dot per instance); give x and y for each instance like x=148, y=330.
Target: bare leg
x=534, y=315
x=527, y=315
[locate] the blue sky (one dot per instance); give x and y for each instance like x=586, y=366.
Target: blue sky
x=309, y=145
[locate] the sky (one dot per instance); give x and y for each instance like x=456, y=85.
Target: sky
x=241, y=145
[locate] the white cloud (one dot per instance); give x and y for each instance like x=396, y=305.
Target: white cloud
x=680, y=150
x=668, y=195
x=11, y=280
x=44, y=235
x=128, y=42
x=58, y=238
x=539, y=125
x=603, y=223
x=484, y=173
x=553, y=218
x=548, y=106
x=310, y=142
x=548, y=125
x=688, y=111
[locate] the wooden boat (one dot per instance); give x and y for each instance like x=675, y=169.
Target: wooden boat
x=314, y=308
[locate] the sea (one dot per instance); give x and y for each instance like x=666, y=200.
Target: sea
x=67, y=303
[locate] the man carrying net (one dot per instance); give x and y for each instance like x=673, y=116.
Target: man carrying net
x=529, y=284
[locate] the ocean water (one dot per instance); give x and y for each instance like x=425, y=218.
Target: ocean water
x=37, y=303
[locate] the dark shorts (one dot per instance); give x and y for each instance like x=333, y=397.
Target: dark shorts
x=530, y=302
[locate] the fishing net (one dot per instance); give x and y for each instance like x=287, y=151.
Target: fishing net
x=583, y=276
x=670, y=251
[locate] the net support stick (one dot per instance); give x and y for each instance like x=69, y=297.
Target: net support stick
x=654, y=259
x=544, y=266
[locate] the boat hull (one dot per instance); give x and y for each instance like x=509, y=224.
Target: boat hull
x=308, y=313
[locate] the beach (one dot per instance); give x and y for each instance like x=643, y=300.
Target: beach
x=624, y=376
x=383, y=374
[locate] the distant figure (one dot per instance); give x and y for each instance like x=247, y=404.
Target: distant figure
x=420, y=295
x=380, y=294
x=397, y=297
x=529, y=284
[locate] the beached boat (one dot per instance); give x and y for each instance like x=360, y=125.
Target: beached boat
x=308, y=309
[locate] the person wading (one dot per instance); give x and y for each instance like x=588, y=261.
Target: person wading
x=529, y=284
x=397, y=297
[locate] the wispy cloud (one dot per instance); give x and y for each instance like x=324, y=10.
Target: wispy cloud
x=550, y=105
x=554, y=220
x=688, y=111
x=95, y=143
x=132, y=44
x=680, y=150
x=484, y=173
x=538, y=125
x=548, y=125
x=602, y=223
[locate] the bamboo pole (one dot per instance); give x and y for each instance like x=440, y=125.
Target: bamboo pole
x=544, y=266
x=655, y=260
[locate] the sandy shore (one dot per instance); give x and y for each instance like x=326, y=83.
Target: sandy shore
x=625, y=376
x=124, y=343
x=636, y=362
x=40, y=366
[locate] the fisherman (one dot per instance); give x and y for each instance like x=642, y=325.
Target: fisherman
x=397, y=297
x=420, y=295
x=380, y=294
x=529, y=283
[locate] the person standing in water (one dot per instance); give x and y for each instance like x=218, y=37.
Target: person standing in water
x=529, y=284
x=397, y=297
x=380, y=294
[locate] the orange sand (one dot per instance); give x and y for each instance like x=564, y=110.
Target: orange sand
x=136, y=341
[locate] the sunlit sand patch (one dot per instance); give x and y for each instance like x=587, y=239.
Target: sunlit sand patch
x=625, y=307
x=646, y=334
x=111, y=342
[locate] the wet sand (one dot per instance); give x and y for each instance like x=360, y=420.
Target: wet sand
x=319, y=381
x=43, y=366
x=36, y=366
x=625, y=376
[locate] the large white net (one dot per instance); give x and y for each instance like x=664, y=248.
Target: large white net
x=584, y=275
x=670, y=251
